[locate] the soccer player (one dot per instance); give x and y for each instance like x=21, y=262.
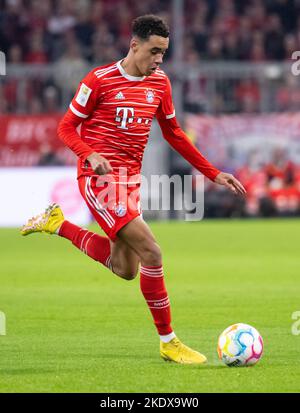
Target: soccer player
x=115, y=105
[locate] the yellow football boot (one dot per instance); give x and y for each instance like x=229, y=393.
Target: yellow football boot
x=180, y=353
x=48, y=221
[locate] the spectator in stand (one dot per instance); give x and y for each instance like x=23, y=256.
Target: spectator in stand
x=10, y=86
x=287, y=10
x=84, y=31
x=38, y=15
x=245, y=37
x=199, y=33
x=195, y=101
x=14, y=27
x=3, y=101
x=274, y=38
x=247, y=95
x=103, y=45
x=288, y=94
x=48, y=156
x=70, y=67
x=231, y=49
x=36, y=52
x=214, y=48
x=254, y=178
x=15, y=54
x=290, y=45
x=34, y=106
x=59, y=23
x=283, y=190
x=50, y=99
x=225, y=19
x=257, y=51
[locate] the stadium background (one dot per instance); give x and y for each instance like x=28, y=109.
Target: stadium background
x=230, y=65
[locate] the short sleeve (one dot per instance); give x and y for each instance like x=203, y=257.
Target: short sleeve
x=166, y=108
x=85, y=99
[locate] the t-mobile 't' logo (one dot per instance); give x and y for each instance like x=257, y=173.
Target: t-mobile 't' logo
x=124, y=115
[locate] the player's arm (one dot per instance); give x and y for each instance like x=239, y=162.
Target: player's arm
x=173, y=134
x=80, y=108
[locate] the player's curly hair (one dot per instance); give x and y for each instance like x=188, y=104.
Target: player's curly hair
x=149, y=24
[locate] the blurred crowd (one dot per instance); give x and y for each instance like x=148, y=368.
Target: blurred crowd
x=273, y=189
x=56, y=42
x=98, y=31
x=95, y=31
x=256, y=30
x=74, y=35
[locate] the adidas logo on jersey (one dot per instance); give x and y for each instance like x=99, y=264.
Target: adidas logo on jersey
x=119, y=96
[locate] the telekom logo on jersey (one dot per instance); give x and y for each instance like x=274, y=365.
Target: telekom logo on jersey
x=125, y=115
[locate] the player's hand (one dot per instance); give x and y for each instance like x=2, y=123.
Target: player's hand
x=230, y=182
x=99, y=164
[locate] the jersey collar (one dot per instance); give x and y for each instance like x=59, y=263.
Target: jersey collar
x=127, y=76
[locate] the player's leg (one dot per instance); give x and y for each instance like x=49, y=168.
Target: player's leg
x=124, y=260
x=139, y=237
x=117, y=256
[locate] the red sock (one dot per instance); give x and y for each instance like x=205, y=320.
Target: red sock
x=90, y=243
x=155, y=293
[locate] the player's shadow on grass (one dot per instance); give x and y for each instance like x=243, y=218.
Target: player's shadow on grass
x=159, y=361
x=125, y=356
x=220, y=366
x=196, y=367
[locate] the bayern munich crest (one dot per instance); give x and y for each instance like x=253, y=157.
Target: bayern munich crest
x=150, y=96
x=120, y=209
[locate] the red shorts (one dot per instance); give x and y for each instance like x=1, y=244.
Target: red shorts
x=112, y=204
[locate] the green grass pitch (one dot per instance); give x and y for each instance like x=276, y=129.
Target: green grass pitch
x=74, y=327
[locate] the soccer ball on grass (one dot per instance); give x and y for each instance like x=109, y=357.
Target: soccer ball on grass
x=240, y=345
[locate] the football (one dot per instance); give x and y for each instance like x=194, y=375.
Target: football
x=240, y=345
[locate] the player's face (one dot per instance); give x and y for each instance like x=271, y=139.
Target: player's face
x=148, y=54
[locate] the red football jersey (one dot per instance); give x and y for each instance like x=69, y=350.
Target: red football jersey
x=117, y=110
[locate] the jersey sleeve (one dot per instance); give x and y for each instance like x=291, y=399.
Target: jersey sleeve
x=86, y=96
x=166, y=108
x=67, y=132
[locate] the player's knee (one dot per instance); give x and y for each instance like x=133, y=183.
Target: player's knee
x=127, y=274
x=151, y=254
